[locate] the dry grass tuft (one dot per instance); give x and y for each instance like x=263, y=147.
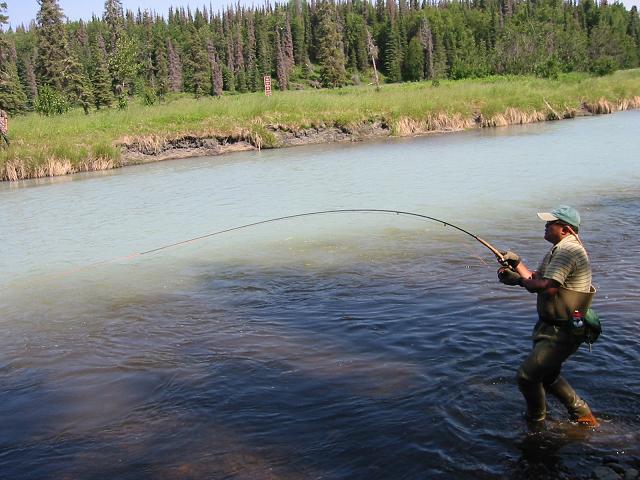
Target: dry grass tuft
x=439, y=122
x=405, y=127
x=569, y=112
x=55, y=167
x=512, y=116
x=497, y=120
x=14, y=170
x=629, y=103
x=448, y=123
x=96, y=164
x=601, y=107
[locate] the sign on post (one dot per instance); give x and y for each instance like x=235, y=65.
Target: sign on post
x=267, y=85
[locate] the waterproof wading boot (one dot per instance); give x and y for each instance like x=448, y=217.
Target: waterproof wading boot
x=589, y=420
x=577, y=408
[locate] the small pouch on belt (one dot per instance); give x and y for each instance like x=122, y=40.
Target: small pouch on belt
x=593, y=326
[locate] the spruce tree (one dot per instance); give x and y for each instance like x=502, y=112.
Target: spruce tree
x=634, y=28
x=114, y=21
x=30, y=79
x=81, y=44
x=217, y=82
x=413, y=65
x=161, y=65
x=356, y=39
x=281, y=64
x=175, y=68
x=439, y=59
x=254, y=78
x=287, y=46
x=100, y=77
x=298, y=35
x=228, y=79
x=381, y=11
x=12, y=96
x=330, y=48
x=240, y=71
x=238, y=50
x=392, y=53
x=76, y=84
x=146, y=52
x=263, y=50
x=426, y=40
x=229, y=43
x=52, y=45
x=197, y=69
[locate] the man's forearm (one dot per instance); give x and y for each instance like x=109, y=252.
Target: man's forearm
x=536, y=285
x=523, y=271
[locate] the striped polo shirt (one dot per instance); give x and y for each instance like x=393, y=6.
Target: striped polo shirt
x=568, y=264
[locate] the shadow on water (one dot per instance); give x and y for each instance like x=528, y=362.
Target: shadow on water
x=359, y=370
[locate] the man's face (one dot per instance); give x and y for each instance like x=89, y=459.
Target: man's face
x=554, y=231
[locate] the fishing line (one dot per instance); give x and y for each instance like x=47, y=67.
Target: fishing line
x=495, y=251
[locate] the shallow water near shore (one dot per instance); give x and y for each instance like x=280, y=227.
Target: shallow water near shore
x=336, y=346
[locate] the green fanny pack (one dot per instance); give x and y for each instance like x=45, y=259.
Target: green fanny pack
x=588, y=326
x=593, y=325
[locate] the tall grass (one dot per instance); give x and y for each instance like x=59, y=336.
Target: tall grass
x=75, y=142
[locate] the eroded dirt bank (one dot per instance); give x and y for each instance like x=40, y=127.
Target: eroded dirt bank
x=153, y=148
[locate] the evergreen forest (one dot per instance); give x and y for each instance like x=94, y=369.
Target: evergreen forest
x=54, y=64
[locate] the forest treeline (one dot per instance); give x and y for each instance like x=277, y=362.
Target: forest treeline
x=54, y=64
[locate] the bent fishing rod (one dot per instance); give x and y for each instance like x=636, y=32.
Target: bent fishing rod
x=495, y=251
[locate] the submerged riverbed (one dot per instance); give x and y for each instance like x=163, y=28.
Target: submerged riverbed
x=341, y=346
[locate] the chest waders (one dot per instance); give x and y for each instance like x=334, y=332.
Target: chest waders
x=553, y=342
x=558, y=309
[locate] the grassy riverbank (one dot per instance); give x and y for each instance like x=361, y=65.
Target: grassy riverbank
x=47, y=146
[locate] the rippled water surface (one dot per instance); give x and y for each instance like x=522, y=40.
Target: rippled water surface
x=337, y=346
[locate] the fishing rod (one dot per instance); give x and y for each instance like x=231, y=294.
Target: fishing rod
x=494, y=250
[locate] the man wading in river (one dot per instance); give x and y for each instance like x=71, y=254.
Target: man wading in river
x=563, y=285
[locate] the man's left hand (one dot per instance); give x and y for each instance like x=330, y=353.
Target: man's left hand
x=508, y=276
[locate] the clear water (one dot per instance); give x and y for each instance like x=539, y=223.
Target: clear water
x=336, y=346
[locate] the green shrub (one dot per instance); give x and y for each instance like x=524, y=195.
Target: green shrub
x=149, y=96
x=604, y=66
x=548, y=69
x=50, y=102
x=123, y=101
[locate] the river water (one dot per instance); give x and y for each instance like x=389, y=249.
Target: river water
x=336, y=346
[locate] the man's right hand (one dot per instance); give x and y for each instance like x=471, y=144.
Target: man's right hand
x=508, y=276
x=512, y=259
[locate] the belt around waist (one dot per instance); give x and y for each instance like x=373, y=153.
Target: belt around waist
x=555, y=323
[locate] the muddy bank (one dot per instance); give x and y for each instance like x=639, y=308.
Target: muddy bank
x=153, y=148
x=143, y=150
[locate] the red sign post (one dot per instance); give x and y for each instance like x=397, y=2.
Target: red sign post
x=267, y=85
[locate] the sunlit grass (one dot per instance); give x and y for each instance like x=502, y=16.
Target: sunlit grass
x=94, y=140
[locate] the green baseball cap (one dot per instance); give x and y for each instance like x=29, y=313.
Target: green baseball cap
x=564, y=213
